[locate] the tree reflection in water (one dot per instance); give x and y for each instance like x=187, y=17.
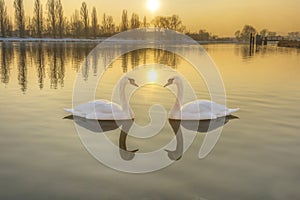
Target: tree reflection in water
x=51, y=59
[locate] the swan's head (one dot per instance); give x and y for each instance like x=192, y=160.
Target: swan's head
x=127, y=155
x=128, y=80
x=173, y=80
x=174, y=155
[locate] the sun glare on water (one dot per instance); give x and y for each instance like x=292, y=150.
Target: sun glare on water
x=153, y=5
x=152, y=76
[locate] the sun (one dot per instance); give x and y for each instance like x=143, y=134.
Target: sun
x=153, y=5
x=152, y=76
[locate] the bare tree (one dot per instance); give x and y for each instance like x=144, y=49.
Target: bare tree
x=9, y=26
x=172, y=22
x=294, y=35
x=162, y=22
x=272, y=33
x=124, y=21
x=135, y=21
x=85, y=17
x=264, y=32
x=203, y=35
x=67, y=27
x=37, y=18
x=95, y=26
x=110, y=24
x=3, y=18
x=20, y=17
x=237, y=34
x=246, y=32
x=76, y=24
x=51, y=18
x=60, y=18
x=145, y=24
x=175, y=22
x=104, y=24
x=29, y=27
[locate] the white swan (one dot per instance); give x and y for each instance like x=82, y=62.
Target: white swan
x=106, y=110
x=195, y=110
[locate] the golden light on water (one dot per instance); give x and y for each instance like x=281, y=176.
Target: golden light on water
x=153, y=5
x=152, y=76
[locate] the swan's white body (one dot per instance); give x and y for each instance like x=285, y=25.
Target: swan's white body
x=106, y=110
x=101, y=110
x=198, y=109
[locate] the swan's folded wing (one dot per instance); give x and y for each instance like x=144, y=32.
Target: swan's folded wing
x=98, y=109
x=69, y=110
x=89, y=107
x=109, y=107
x=75, y=113
x=230, y=111
x=197, y=106
x=99, y=101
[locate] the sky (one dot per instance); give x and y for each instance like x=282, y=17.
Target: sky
x=220, y=17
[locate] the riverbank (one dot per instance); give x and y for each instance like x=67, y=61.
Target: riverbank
x=288, y=43
x=15, y=39
x=98, y=40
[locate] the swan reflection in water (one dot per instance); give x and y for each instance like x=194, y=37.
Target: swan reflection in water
x=203, y=126
x=102, y=126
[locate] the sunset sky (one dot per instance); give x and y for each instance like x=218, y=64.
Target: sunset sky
x=217, y=16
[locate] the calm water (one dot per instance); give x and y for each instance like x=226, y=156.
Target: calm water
x=256, y=157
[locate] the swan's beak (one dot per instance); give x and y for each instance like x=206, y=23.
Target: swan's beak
x=168, y=151
x=134, y=84
x=169, y=83
x=133, y=151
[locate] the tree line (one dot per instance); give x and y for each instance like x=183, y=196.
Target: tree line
x=82, y=23
x=50, y=21
x=244, y=34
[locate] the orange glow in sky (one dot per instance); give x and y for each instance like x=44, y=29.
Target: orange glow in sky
x=217, y=16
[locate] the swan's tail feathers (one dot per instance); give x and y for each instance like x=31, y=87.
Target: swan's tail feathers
x=69, y=110
x=233, y=110
x=75, y=113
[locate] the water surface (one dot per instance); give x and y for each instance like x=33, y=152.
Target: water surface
x=256, y=157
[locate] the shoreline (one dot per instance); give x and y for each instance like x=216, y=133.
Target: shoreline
x=99, y=40
x=96, y=40
x=15, y=39
x=289, y=44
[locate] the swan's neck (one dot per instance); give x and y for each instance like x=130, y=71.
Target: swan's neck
x=123, y=99
x=179, y=99
x=122, y=140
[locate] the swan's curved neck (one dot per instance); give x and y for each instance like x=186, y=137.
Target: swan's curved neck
x=123, y=99
x=179, y=99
